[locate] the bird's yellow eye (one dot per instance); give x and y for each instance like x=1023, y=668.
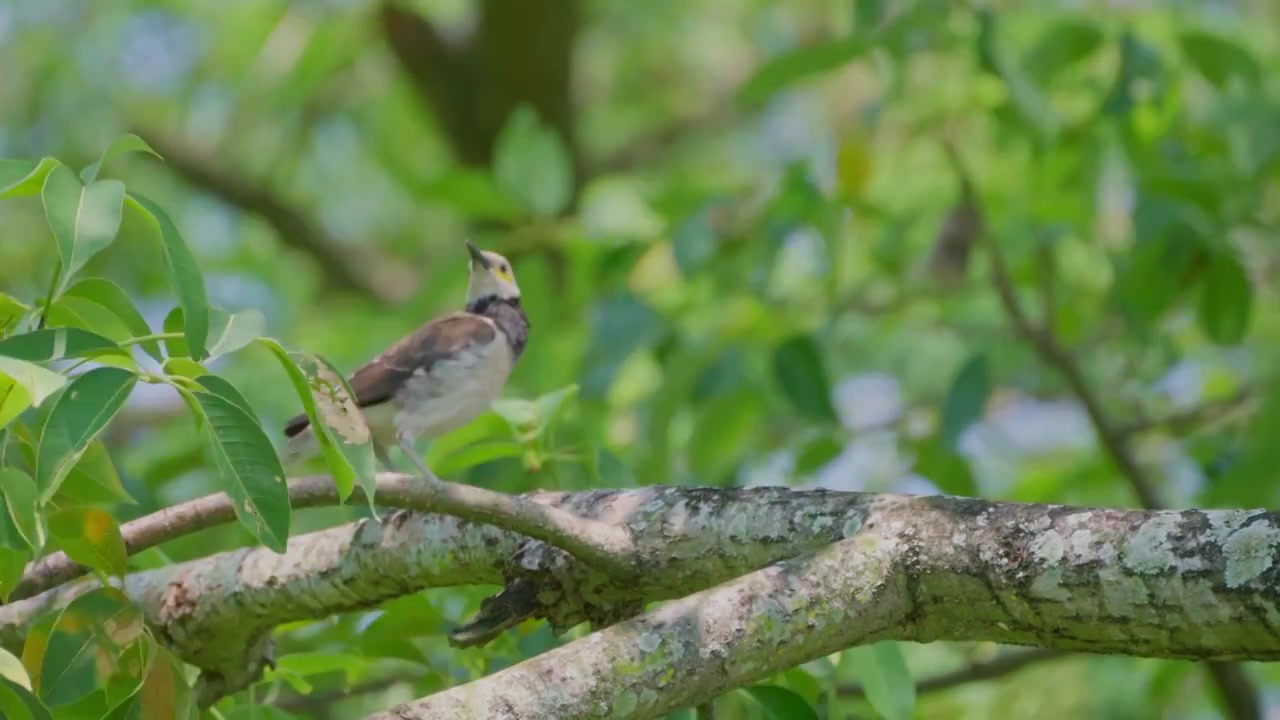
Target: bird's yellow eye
x=503, y=273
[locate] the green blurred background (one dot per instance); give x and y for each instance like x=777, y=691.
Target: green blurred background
x=745, y=253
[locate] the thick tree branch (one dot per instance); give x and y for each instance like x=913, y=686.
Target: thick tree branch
x=346, y=270
x=1200, y=585
x=1237, y=690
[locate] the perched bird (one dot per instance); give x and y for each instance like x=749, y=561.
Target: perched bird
x=443, y=375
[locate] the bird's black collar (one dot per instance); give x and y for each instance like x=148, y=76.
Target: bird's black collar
x=481, y=304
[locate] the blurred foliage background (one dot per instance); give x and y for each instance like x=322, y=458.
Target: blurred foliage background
x=746, y=252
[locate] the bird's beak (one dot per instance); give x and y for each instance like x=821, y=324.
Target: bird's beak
x=477, y=257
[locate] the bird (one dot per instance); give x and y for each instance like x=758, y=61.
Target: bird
x=441, y=376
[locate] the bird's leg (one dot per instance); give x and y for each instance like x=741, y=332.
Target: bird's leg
x=406, y=447
x=384, y=457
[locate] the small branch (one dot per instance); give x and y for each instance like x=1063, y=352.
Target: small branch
x=600, y=545
x=1193, y=419
x=344, y=269
x=998, y=667
x=606, y=547
x=1051, y=352
x=1230, y=679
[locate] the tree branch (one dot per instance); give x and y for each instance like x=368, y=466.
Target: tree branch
x=1197, y=417
x=362, y=272
x=603, y=546
x=1200, y=584
x=998, y=667
x=1191, y=584
x=1231, y=680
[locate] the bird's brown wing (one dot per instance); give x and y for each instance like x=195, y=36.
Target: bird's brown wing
x=378, y=379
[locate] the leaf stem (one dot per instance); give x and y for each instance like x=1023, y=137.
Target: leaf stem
x=48, y=299
x=148, y=338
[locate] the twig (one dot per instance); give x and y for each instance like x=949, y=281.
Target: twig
x=1192, y=419
x=603, y=546
x=998, y=667
x=364, y=273
x=1240, y=695
x=321, y=701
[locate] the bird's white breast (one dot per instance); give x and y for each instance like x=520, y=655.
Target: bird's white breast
x=452, y=393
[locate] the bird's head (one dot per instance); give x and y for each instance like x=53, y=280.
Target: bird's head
x=491, y=277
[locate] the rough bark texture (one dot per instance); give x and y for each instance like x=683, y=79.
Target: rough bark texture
x=1191, y=584
x=1180, y=585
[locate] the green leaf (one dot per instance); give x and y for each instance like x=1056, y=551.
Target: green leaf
x=174, y=324
x=11, y=311
x=93, y=481
x=966, y=400
x=12, y=564
x=1226, y=299
x=938, y=461
x=18, y=703
x=798, y=369
x=184, y=367
x=248, y=467
x=32, y=381
x=883, y=673
x=1062, y=45
x=112, y=297
x=529, y=420
x=78, y=416
x=258, y=712
x=693, y=242
x=122, y=145
x=122, y=687
x=227, y=332
x=1156, y=274
x=183, y=273
x=12, y=670
x=84, y=218
x=52, y=344
x=467, y=457
x=87, y=315
x=532, y=164
x=337, y=422
x=725, y=430
x=795, y=65
x=1027, y=98
x=91, y=537
x=163, y=695
x=231, y=332
x=22, y=177
x=21, y=500
x=779, y=703
x=1219, y=60
x=1247, y=482
x=345, y=417
x=84, y=645
x=473, y=193
x=817, y=453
